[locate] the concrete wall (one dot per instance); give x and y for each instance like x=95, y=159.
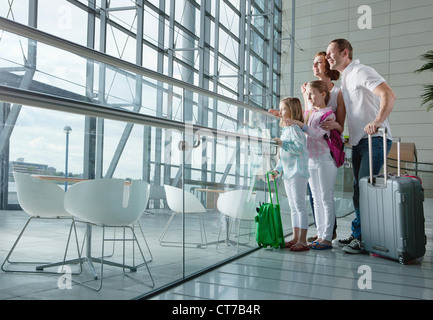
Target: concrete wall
x=401, y=31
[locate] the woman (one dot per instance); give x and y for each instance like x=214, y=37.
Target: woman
x=322, y=70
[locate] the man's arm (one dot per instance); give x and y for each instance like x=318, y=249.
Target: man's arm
x=387, y=99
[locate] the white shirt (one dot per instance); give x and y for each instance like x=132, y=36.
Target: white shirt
x=293, y=153
x=362, y=106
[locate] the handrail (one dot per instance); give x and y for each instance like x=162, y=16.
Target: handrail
x=412, y=162
x=46, y=101
x=40, y=36
x=416, y=169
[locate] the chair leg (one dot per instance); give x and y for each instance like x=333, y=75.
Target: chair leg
x=219, y=231
x=101, y=271
x=202, y=232
x=13, y=247
x=66, y=262
x=123, y=265
x=203, y=244
x=114, y=245
x=164, y=231
x=41, y=264
x=135, y=240
x=145, y=241
x=235, y=224
x=239, y=235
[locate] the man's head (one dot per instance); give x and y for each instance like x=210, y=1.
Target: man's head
x=339, y=54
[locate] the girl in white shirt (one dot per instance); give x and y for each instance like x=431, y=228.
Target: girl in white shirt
x=293, y=165
x=321, y=165
x=322, y=70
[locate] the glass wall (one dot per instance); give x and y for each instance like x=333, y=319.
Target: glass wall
x=228, y=47
x=181, y=106
x=130, y=122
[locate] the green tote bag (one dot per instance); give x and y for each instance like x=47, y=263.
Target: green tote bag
x=268, y=219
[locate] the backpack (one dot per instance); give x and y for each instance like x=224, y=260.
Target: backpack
x=335, y=143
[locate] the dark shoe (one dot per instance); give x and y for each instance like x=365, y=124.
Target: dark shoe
x=346, y=241
x=354, y=247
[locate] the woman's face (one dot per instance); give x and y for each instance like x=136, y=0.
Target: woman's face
x=319, y=66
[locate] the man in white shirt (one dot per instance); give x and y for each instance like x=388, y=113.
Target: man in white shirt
x=369, y=100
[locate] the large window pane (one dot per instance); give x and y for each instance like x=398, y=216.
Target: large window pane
x=222, y=48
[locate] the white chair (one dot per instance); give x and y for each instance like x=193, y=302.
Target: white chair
x=41, y=199
x=192, y=205
x=110, y=203
x=238, y=206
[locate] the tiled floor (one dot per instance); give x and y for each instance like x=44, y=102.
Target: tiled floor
x=264, y=274
x=44, y=237
x=331, y=274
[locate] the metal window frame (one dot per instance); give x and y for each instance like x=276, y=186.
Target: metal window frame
x=208, y=53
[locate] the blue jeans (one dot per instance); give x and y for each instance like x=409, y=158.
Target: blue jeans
x=361, y=169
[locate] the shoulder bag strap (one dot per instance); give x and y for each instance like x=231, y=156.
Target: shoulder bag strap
x=269, y=186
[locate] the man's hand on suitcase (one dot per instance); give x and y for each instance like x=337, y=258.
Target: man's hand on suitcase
x=372, y=127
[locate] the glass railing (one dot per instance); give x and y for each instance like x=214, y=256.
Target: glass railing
x=130, y=123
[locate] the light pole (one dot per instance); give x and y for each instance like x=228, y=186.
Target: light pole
x=67, y=130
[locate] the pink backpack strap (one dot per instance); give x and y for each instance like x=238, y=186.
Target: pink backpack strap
x=326, y=115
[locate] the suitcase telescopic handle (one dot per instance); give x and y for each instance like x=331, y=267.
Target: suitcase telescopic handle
x=385, y=155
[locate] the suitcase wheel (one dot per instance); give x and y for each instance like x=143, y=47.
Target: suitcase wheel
x=403, y=258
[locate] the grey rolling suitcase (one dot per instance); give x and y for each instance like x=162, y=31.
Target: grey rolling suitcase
x=392, y=213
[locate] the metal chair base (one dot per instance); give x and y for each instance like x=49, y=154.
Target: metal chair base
x=202, y=245
x=40, y=264
x=123, y=265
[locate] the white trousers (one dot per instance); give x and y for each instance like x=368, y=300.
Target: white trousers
x=323, y=172
x=296, y=190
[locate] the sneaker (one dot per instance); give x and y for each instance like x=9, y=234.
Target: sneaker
x=354, y=247
x=346, y=241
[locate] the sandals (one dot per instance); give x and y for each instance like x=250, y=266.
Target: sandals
x=298, y=247
x=319, y=246
x=313, y=238
x=289, y=244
